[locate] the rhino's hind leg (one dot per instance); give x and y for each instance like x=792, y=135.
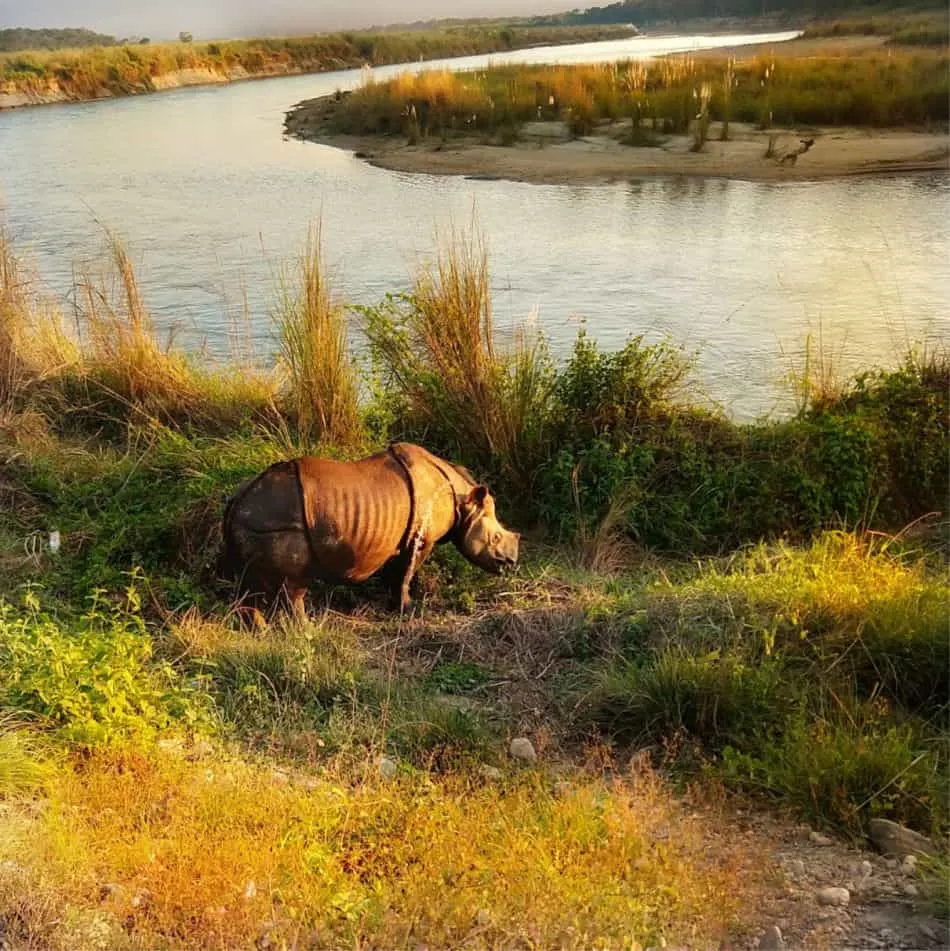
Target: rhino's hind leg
x=276, y=570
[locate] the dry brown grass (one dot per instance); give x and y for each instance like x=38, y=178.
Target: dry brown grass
x=123, y=357
x=445, y=362
x=322, y=383
x=33, y=343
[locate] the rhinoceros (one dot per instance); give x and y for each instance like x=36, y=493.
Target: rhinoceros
x=313, y=519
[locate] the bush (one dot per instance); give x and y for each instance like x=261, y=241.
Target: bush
x=94, y=676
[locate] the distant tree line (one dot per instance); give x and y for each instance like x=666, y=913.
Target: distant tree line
x=19, y=39
x=640, y=12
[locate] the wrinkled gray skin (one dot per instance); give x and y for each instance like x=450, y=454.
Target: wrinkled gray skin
x=322, y=520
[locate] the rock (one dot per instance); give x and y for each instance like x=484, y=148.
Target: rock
x=909, y=864
x=388, y=769
x=897, y=840
x=772, y=940
x=490, y=772
x=795, y=868
x=142, y=899
x=523, y=749
x=910, y=890
x=834, y=897
x=110, y=890
x=818, y=839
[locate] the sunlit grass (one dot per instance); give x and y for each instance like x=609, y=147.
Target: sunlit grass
x=218, y=853
x=322, y=381
x=895, y=88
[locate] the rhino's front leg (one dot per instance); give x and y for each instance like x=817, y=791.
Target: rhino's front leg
x=419, y=551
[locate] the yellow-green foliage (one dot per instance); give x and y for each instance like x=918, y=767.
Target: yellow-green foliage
x=876, y=89
x=217, y=853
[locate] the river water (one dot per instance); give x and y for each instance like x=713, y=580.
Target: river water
x=212, y=202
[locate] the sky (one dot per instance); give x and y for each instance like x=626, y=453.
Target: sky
x=218, y=19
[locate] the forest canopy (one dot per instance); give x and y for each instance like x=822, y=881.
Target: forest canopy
x=20, y=38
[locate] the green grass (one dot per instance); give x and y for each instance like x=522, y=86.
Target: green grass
x=816, y=675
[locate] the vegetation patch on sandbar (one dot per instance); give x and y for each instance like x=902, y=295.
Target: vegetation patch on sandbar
x=771, y=114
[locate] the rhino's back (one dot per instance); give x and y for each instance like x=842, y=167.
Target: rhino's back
x=357, y=513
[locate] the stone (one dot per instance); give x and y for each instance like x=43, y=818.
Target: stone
x=110, y=890
x=910, y=890
x=388, y=769
x=142, y=899
x=795, y=868
x=818, y=839
x=891, y=838
x=834, y=897
x=772, y=940
x=490, y=772
x=523, y=749
x=909, y=864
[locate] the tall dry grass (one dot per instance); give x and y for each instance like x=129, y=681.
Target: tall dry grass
x=322, y=384
x=33, y=341
x=122, y=351
x=123, y=360
x=441, y=354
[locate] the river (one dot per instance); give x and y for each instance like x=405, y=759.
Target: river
x=212, y=202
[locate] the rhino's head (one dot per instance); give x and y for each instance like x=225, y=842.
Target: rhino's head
x=482, y=539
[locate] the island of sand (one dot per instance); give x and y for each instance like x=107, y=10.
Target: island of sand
x=547, y=153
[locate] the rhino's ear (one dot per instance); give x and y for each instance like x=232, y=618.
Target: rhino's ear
x=477, y=496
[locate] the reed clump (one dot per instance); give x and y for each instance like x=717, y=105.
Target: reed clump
x=322, y=385
x=893, y=88
x=437, y=348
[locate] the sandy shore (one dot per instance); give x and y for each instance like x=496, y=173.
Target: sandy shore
x=545, y=153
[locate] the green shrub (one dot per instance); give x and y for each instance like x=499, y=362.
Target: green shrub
x=93, y=676
x=715, y=699
x=845, y=772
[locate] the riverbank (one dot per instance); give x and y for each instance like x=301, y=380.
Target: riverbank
x=675, y=724
x=546, y=153
x=48, y=77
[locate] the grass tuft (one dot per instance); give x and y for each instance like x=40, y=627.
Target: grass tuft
x=322, y=384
